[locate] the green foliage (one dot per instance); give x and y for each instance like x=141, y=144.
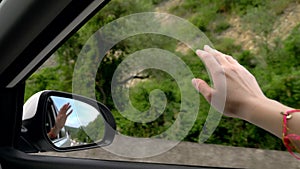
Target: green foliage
x=241, y=6
x=83, y=137
x=227, y=45
x=95, y=129
x=44, y=79
x=139, y=97
x=200, y=13
x=91, y=133
x=260, y=20
x=283, y=83
x=275, y=67
x=221, y=26
x=292, y=46
x=260, y=16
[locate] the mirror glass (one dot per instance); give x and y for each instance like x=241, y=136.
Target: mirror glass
x=72, y=122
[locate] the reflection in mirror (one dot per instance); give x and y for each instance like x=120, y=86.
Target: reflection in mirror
x=72, y=122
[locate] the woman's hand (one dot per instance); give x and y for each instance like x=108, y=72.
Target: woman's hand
x=237, y=94
x=234, y=87
x=60, y=120
x=62, y=116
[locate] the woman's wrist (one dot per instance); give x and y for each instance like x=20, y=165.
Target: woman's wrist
x=247, y=108
x=53, y=132
x=265, y=113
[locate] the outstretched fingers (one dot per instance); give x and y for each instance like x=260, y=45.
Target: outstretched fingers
x=213, y=66
x=65, y=108
x=222, y=58
x=210, y=62
x=70, y=112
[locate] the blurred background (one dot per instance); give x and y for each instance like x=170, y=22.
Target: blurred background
x=263, y=35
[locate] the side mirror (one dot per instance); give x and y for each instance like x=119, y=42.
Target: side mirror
x=60, y=121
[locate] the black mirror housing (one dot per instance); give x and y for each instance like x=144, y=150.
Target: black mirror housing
x=34, y=137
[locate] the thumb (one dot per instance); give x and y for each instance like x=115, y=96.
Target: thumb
x=202, y=87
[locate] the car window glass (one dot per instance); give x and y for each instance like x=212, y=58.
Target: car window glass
x=139, y=77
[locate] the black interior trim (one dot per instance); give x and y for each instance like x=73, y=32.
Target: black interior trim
x=35, y=46
x=11, y=101
x=11, y=158
x=21, y=22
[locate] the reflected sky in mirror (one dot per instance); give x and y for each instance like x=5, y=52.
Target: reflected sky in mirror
x=82, y=113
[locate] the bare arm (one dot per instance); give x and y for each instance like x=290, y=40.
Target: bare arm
x=61, y=119
x=244, y=98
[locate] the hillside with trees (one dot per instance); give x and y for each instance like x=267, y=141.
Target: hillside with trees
x=262, y=35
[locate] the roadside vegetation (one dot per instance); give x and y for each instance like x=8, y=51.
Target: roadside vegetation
x=273, y=58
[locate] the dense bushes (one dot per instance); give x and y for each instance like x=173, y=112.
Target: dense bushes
x=275, y=65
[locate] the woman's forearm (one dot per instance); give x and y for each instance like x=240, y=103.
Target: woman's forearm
x=265, y=113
